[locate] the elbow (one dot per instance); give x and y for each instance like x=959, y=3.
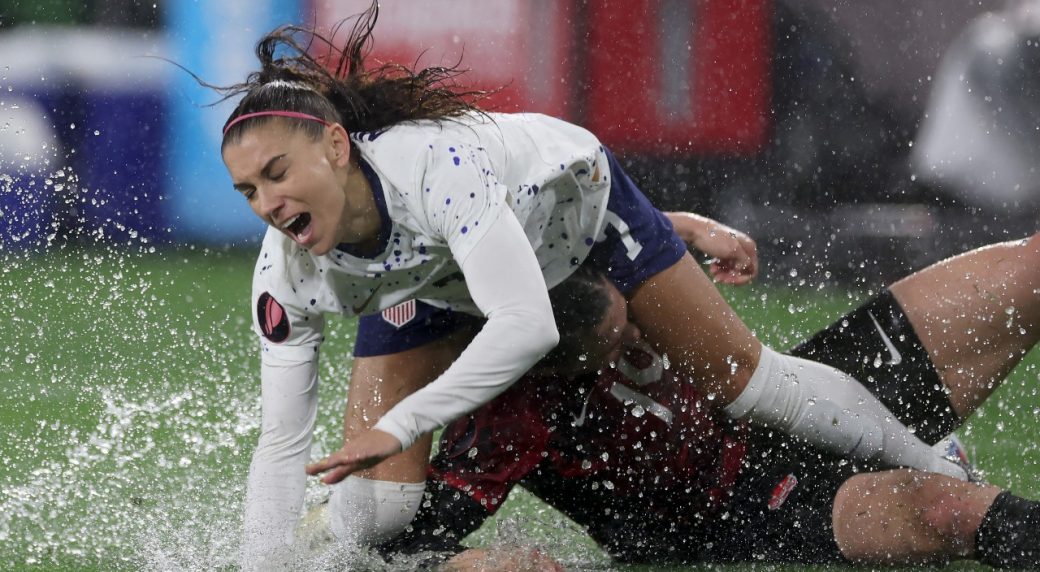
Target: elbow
x=550, y=336
x=546, y=334
x=536, y=329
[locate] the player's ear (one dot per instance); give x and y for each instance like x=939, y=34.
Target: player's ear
x=337, y=145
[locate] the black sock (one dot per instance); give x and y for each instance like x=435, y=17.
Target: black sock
x=1009, y=536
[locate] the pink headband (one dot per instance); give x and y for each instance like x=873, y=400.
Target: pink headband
x=293, y=114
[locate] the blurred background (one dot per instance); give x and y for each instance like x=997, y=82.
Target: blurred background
x=855, y=141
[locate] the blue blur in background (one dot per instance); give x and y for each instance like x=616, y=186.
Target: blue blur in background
x=214, y=40
x=105, y=140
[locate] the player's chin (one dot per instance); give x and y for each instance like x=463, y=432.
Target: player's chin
x=319, y=249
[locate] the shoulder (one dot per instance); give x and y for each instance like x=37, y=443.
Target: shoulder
x=408, y=154
x=282, y=267
x=401, y=142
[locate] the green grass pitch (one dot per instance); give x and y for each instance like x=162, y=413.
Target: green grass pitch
x=129, y=403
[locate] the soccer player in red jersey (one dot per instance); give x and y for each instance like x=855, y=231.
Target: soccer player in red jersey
x=658, y=474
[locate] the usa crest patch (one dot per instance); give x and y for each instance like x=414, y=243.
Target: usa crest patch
x=400, y=314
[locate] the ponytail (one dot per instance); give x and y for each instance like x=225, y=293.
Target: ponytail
x=336, y=86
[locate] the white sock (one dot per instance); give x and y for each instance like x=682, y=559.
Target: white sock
x=830, y=409
x=366, y=511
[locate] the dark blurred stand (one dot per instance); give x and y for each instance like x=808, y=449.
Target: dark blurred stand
x=832, y=197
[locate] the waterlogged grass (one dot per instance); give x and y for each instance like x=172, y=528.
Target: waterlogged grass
x=129, y=402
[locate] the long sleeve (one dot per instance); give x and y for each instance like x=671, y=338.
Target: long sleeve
x=275, y=489
x=506, y=283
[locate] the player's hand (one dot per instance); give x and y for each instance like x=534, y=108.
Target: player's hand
x=366, y=450
x=734, y=255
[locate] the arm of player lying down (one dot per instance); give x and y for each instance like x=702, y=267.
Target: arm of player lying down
x=518, y=559
x=506, y=283
x=830, y=409
x=734, y=254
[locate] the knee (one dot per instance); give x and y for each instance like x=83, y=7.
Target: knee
x=366, y=511
x=1025, y=267
x=1033, y=242
x=1027, y=250
x=950, y=516
x=901, y=517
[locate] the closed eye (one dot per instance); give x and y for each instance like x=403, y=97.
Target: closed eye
x=248, y=191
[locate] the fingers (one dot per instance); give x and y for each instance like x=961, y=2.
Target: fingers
x=734, y=255
x=339, y=473
x=337, y=467
x=723, y=274
x=333, y=461
x=365, y=451
x=739, y=267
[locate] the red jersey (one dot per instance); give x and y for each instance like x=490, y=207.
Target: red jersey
x=630, y=443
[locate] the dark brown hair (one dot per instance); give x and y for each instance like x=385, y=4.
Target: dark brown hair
x=336, y=86
x=580, y=304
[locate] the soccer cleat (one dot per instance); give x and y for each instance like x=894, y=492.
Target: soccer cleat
x=313, y=532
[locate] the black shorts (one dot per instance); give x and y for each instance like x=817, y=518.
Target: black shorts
x=877, y=345
x=780, y=509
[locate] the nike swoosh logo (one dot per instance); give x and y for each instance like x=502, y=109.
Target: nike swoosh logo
x=372, y=294
x=897, y=358
x=624, y=393
x=579, y=420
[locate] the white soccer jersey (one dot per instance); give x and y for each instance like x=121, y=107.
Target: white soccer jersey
x=445, y=186
x=441, y=181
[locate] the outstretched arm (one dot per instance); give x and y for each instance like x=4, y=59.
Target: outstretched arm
x=274, y=492
x=506, y=283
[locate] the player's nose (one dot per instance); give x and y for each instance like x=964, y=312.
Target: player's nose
x=268, y=205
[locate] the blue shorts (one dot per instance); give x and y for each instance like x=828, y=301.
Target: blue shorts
x=639, y=243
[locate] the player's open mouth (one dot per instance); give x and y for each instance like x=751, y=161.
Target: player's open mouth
x=297, y=225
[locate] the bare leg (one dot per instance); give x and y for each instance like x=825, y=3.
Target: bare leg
x=377, y=384
x=682, y=313
x=977, y=314
x=685, y=318
x=909, y=517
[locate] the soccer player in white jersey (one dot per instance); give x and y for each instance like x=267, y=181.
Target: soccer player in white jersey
x=382, y=185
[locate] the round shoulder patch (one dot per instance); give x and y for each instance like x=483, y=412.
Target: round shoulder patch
x=274, y=323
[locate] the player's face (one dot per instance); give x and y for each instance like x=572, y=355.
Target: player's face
x=294, y=183
x=614, y=333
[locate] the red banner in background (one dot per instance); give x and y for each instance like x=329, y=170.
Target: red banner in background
x=521, y=47
x=647, y=76
x=680, y=76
